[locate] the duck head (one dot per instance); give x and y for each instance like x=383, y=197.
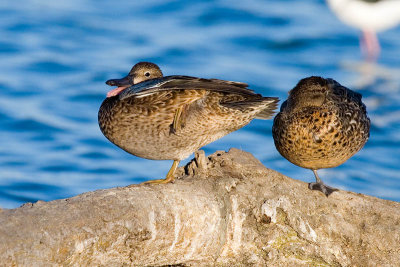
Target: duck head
x=309, y=92
x=142, y=71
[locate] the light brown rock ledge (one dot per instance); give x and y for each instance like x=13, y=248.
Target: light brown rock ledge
x=227, y=210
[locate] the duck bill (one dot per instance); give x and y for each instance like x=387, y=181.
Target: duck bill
x=121, y=83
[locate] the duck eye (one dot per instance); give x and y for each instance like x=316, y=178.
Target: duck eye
x=147, y=74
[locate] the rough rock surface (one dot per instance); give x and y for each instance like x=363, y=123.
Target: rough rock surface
x=226, y=210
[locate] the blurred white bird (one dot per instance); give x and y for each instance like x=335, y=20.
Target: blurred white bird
x=371, y=16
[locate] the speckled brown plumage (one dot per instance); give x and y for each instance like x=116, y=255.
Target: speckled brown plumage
x=321, y=125
x=140, y=118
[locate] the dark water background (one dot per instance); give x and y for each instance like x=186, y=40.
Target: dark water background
x=56, y=56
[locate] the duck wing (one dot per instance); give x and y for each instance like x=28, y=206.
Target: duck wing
x=178, y=82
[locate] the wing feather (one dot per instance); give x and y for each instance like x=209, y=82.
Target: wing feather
x=184, y=83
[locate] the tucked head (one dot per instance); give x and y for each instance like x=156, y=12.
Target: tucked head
x=311, y=91
x=142, y=71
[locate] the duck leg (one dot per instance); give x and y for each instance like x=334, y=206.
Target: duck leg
x=320, y=186
x=178, y=123
x=370, y=45
x=170, y=175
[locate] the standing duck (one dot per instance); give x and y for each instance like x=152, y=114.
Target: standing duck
x=321, y=125
x=169, y=118
x=370, y=16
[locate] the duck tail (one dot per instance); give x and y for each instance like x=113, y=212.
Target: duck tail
x=271, y=103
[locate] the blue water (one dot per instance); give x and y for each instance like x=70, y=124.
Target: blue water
x=56, y=55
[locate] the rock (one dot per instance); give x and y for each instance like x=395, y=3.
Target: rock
x=225, y=210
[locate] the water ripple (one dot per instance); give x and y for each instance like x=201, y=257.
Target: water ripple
x=56, y=57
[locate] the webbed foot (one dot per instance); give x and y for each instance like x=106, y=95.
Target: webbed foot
x=320, y=186
x=170, y=175
x=327, y=190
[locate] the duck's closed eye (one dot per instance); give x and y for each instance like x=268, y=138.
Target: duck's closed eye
x=147, y=74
